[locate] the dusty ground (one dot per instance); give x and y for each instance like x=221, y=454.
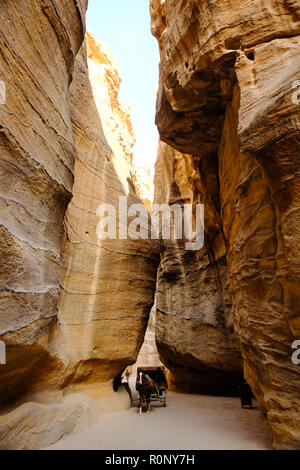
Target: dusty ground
x=188, y=422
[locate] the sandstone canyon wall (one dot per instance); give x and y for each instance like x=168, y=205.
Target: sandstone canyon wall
x=38, y=46
x=108, y=288
x=148, y=355
x=193, y=322
x=144, y=184
x=227, y=74
x=73, y=308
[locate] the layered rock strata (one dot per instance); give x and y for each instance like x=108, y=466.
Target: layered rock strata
x=38, y=45
x=73, y=308
x=144, y=185
x=193, y=321
x=228, y=98
x=107, y=292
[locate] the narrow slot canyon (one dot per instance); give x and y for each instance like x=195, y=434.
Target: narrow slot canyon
x=95, y=280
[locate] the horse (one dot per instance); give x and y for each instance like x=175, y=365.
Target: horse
x=145, y=389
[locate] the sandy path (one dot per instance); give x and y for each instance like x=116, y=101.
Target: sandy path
x=188, y=422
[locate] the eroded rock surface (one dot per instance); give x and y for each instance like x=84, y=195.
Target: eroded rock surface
x=226, y=97
x=33, y=426
x=38, y=43
x=144, y=185
x=193, y=323
x=115, y=112
x=148, y=355
x=108, y=290
x=73, y=308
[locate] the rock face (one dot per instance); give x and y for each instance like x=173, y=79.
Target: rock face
x=115, y=113
x=148, y=355
x=193, y=323
x=144, y=184
x=34, y=426
x=107, y=292
x=73, y=308
x=227, y=98
x=38, y=43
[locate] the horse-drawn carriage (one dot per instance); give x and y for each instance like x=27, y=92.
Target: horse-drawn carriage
x=158, y=383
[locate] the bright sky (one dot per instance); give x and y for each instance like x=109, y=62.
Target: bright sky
x=124, y=26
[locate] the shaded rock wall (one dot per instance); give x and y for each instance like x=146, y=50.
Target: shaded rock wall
x=226, y=98
x=193, y=322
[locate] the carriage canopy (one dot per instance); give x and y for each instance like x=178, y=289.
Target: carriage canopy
x=157, y=374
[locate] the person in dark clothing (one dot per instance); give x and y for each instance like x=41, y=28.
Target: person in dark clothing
x=245, y=395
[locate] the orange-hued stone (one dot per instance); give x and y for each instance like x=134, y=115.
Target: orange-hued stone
x=295, y=326
x=73, y=308
x=227, y=98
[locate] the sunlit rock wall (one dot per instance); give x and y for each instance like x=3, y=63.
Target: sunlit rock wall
x=38, y=43
x=148, y=355
x=144, y=185
x=108, y=290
